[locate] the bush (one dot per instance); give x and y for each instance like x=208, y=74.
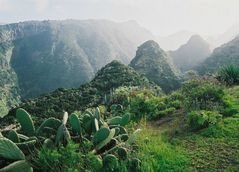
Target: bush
x=202, y=119
x=228, y=128
x=202, y=95
x=229, y=75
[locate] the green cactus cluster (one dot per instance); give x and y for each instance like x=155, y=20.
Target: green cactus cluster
x=107, y=139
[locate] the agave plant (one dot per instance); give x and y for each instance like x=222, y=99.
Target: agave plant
x=229, y=75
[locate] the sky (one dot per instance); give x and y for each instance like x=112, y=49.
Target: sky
x=162, y=17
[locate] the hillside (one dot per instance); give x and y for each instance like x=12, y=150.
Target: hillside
x=113, y=75
x=50, y=54
x=153, y=62
x=191, y=54
x=37, y=57
x=225, y=55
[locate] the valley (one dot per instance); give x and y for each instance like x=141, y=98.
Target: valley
x=97, y=95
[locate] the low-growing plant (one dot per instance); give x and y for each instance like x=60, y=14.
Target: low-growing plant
x=83, y=144
x=229, y=75
x=202, y=95
x=202, y=119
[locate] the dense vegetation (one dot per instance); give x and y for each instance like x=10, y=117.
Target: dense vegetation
x=47, y=55
x=223, y=56
x=120, y=121
x=153, y=62
x=99, y=90
x=192, y=129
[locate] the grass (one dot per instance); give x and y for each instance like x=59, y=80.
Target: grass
x=212, y=149
x=159, y=155
x=167, y=148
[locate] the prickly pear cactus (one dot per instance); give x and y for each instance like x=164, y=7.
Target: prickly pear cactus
x=115, y=120
x=48, y=123
x=26, y=122
x=18, y=166
x=125, y=119
x=110, y=162
x=13, y=136
x=103, y=137
x=75, y=124
x=9, y=150
x=122, y=153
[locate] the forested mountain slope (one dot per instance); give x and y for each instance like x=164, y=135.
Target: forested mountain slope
x=153, y=62
x=225, y=55
x=51, y=54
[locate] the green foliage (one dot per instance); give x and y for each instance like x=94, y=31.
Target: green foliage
x=62, y=135
x=51, y=122
x=229, y=75
x=60, y=159
x=13, y=136
x=122, y=152
x=152, y=61
x=102, y=139
x=17, y=166
x=75, y=124
x=158, y=155
x=225, y=55
x=26, y=122
x=56, y=142
x=214, y=148
x=225, y=128
x=9, y=150
x=101, y=135
x=203, y=119
x=202, y=95
x=88, y=95
x=145, y=103
x=110, y=163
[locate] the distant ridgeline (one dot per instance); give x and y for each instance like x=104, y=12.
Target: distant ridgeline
x=113, y=75
x=153, y=62
x=189, y=55
x=225, y=55
x=37, y=57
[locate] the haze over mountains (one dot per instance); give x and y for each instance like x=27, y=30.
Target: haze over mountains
x=227, y=54
x=218, y=40
x=37, y=57
x=51, y=54
x=191, y=54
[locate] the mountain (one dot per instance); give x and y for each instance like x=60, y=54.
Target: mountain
x=46, y=55
x=37, y=57
x=153, y=62
x=225, y=37
x=225, y=55
x=174, y=41
x=113, y=75
x=191, y=54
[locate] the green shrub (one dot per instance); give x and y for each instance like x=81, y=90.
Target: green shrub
x=60, y=159
x=229, y=75
x=228, y=127
x=202, y=95
x=202, y=119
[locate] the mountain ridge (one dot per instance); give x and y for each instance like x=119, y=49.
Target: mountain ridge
x=153, y=62
x=190, y=54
